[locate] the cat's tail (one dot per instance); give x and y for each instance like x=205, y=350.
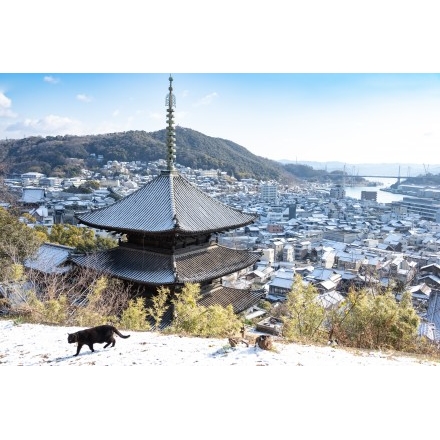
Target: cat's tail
x=120, y=334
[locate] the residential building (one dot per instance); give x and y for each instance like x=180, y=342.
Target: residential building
x=269, y=192
x=369, y=195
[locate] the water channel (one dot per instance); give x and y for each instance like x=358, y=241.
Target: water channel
x=382, y=196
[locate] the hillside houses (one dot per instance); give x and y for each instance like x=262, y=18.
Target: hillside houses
x=281, y=284
x=333, y=243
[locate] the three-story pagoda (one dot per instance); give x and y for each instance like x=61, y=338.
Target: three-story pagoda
x=171, y=229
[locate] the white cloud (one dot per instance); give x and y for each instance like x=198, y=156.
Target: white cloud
x=51, y=79
x=83, y=98
x=51, y=124
x=156, y=116
x=5, y=104
x=206, y=100
x=115, y=112
x=185, y=93
x=180, y=116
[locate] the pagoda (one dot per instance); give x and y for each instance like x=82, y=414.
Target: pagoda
x=171, y=228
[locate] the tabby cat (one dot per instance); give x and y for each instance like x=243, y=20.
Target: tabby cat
x=95, y=335
x=264, y=342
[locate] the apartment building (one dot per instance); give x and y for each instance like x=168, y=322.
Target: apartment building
x=427, y=209
x=269, y=192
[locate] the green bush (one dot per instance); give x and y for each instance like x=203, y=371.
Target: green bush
x=218, y=321
x=303, y=316
x=134, y=317
x=93, y=313
x=363, y=320
x=187, y=314
x=195, y=320
x=52, y=311
x=159, y=306
x=378, y=321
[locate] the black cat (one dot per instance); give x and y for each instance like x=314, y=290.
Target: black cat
x=95, y=335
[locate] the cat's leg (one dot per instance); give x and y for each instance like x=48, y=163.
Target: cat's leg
x=91, y=346
x=112, y=341
x=78, y=349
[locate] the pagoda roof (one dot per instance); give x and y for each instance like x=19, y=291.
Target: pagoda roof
x=137, y=265
x=167, y=204
x=240, y=299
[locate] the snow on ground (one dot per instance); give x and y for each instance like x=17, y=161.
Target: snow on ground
x=167, y=398
x=43, y=345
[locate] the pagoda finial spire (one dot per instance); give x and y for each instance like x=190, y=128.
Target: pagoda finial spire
x=170, y=102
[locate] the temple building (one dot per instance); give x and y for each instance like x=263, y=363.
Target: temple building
x=169, y=229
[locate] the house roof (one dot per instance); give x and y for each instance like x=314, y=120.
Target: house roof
x=240, y=299
x=32, y=195
x=285, y=273
x=422, y=290
x=320, y=274
x=50, y=258
x=329, y=299
x=431, y=279
x=283, y=283
x=259, y=273
x=433, y=312
x=167, y=204
x=430, y=267
x=149, y=267
x=327, y=284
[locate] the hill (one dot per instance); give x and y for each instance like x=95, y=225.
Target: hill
x=43, y=345
x=371, y=169
x=63, y=156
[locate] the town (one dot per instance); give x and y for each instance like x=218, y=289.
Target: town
x=332, y=241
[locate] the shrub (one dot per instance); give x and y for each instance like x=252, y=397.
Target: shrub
x=56, y=310
x=303, y=316
x=187, y=314
x=193, y=319
x=18, y=242
x=93, y=312
x=404, y=332
x=134, y=317
x=218, y=321
x=378, y=321
x=159, y=306
x=265, y=305
x=53, y=311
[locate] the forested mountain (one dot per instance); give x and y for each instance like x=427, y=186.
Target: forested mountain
x=64, y=156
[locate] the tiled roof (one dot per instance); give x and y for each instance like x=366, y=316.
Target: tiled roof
x=148, y=267
x=167, y=204
x=241, y=299
x=212, y=262
x=50, y=258
x=32, y=195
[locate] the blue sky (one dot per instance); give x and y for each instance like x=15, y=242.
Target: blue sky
x=356, y=82
x=353, y=118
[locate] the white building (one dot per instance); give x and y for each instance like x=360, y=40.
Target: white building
x=268, y=255
x=269, y=192
x=337, y=192
x=288, y=253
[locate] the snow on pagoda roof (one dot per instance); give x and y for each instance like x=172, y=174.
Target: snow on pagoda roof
x=149, y=267
x=167, y=204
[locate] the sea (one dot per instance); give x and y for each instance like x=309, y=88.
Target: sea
x=382, y=196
